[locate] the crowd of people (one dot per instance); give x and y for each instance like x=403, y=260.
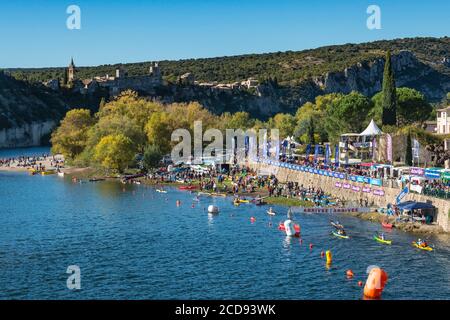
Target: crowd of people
x=38, y=163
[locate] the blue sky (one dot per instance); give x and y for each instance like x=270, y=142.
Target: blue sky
x=34, y=33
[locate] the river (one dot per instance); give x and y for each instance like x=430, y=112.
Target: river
x=131, y=242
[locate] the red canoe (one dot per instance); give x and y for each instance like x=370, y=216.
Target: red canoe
x=386, y=225
x=187, y=187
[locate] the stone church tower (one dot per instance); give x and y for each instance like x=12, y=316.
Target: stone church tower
x=71, y=71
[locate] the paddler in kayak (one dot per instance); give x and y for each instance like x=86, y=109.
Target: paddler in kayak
x=422, y=243
x=381, y=236
x=341, y=232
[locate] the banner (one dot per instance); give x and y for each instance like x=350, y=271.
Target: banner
x=316, y=153
x=417, y=171
x=378, y=192
x=389, y=147
x=329, y=210
x=308, y=150
x=374, y=149
x=336, y=155
x=401, y=195
x=415, y=150
x=327, y=154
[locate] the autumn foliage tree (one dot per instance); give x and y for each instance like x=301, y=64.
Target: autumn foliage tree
x=70, y=138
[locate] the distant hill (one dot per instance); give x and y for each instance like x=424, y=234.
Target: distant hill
x=286, y=80
x=288, y=68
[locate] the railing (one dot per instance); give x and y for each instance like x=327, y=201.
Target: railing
x=442, y=194
x=341, y=176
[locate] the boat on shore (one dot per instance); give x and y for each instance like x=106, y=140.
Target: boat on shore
x=187, y=187
x=387, y=225
x=48, y=172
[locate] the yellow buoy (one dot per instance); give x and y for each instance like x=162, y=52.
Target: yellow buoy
x=329, y=257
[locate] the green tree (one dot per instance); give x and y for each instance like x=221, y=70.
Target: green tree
x=411, y=107
x=310, y=132
x=285, y=123
x=389, y=102
x=408, y=153
x=114, y=152
x=159, y=130
x=152, y=156
x=71, y=137
x=347, y=114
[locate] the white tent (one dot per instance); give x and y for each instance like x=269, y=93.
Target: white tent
x=371, y=130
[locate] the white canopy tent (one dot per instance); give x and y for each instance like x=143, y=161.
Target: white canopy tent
x=371, y=130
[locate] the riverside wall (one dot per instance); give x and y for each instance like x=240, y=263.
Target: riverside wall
x=373, y=198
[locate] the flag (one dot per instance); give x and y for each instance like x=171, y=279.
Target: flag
x=316, y=153
x=327, y=154
x=374, y=149
x=336, y=155
x=389, y=147
x=308, y=150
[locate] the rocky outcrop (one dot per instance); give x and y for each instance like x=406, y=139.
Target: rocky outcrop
x=268, y=98
x=26, y=135
x=366, y=77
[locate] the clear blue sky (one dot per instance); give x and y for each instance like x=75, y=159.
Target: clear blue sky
x=34, y=33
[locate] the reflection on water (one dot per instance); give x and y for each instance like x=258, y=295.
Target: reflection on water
x=134, y=243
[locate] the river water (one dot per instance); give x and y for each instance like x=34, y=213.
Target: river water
x=131, y=242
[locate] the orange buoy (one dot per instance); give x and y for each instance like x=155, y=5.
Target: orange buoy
x=310, y=246
x=252, y=219
x=360, y=283
x=349, y=273
x=375, y=283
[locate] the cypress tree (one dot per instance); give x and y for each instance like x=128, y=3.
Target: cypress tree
x=408, y=155
x=389, y=116
x=311, y=129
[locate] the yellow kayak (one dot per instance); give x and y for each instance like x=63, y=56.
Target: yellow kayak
x=382, y=241
x=47, y=172
x=427, y=248
x=243, y=201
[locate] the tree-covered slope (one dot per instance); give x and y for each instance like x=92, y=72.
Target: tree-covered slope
x=289, y=68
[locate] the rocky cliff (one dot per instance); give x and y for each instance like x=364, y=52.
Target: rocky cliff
x=270, y=98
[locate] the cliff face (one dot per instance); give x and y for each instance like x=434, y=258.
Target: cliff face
x=268, y=99
x=366, y=77
x=27, y=135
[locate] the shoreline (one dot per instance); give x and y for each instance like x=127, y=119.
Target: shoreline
x=413, y=227
x=375, y=217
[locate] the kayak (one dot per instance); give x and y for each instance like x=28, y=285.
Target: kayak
x=187, y=187
x=162, y=191
x=382, y=241
x=243, y=201
x=386, y=225
x=271, y=213
x=236, y=203
x=339, y=235
x=427, y=248
x=336, y=225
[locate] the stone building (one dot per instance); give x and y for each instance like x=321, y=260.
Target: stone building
x=443, y=127
x=115, y=85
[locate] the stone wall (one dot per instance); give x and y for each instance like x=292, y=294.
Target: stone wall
x=28, y=135
x=328, y=185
